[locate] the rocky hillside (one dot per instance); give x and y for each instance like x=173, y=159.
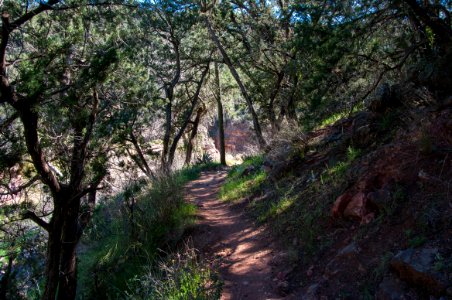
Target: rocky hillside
x=364, y=205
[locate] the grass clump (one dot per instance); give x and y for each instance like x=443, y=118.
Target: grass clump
x=180, y=276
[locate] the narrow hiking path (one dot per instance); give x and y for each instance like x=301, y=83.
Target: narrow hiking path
x=245, y=252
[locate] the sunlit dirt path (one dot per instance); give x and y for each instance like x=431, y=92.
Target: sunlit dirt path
x=244, y=251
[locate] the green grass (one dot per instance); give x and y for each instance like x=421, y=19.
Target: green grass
x=334, y=117
x=193, y=172
x=302, y=208
x=238, y=186
x=124, y=243
x=276, y=208
x=181, y=276
x=340, y=168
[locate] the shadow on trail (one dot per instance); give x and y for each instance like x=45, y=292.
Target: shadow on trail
x=223, y=232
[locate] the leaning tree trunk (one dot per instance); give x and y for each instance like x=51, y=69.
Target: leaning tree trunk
x=187, y=116
x=194, y=132
x=249, y=102
x=220, y=117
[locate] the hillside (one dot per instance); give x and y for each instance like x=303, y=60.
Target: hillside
x=363, y=205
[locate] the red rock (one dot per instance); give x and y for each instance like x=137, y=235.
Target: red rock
x=368, y=218
x=357, y=207
x=340, y=204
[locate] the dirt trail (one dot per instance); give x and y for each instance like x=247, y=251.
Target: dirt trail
x=245, y=252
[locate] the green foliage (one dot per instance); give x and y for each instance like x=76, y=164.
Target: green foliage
x=415, y=239
x=276, y=208
x=128, y=230
x=250, y=161
x=387, y=121
x=332, y=119
x=180, y=276
x=204, y=159
x=237, y=186
x=352, y=153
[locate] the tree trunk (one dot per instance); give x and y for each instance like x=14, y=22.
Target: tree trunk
x=440, y=28
x=53, y=253
x=291, y=110
x=4, y=282
x=271, y=106
x=220, y=116
x=167, y=135
x=169, y=93
x=187, y=116
x=249, y=102
x=193, y=134
x=71, y=234
x=141, y=160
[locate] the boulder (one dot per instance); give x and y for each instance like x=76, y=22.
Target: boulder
x=381, y=99
x=340, y=204
x=356, y=209
x=381, y=199
x=349, y=250
x=416, y=266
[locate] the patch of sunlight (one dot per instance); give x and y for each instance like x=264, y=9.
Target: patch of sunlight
x=333, y=118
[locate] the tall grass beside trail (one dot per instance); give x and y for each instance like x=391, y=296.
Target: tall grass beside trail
x=179, y=276
x=130, y=234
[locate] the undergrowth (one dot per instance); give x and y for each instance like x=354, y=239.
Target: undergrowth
x=179, y=276
x=244, y=180
x=295, y=208
x=129, y=231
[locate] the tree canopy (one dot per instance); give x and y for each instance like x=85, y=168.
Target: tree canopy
x=92, y=91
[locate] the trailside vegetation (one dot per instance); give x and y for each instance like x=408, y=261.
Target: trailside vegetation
x=106, y=110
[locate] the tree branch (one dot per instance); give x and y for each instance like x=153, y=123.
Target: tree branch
x=20, y=188
x=32, y=216
x=8, y=121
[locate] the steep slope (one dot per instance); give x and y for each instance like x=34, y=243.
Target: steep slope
x=364, y=203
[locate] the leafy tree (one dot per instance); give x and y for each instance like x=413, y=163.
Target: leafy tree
x=55, y=71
